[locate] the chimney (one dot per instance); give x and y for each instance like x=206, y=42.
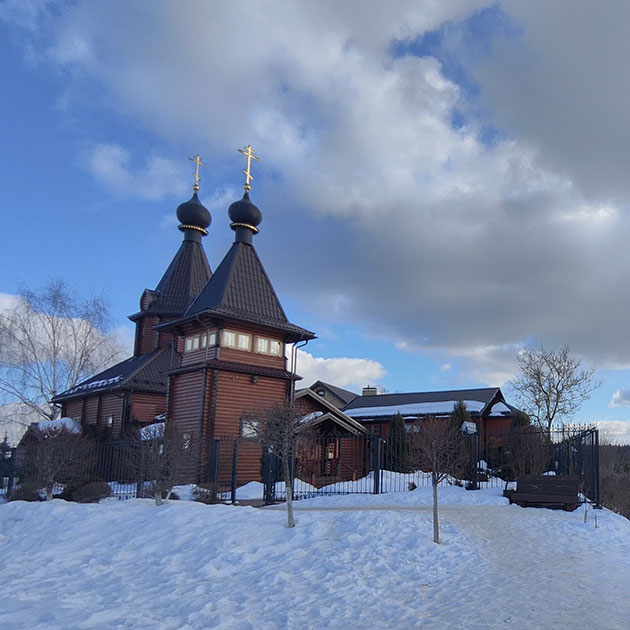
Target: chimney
x=369, y=391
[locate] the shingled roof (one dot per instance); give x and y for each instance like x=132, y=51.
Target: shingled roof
x=478, y=401
x=240, y=289
x=185, y=277
x=144, y=373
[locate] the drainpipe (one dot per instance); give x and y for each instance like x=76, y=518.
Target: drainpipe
x=294, y=368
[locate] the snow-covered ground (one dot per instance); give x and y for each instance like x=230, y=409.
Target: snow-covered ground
x=352, y=562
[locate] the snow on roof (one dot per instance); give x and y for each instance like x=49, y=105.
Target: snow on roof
x=68, y=424
x=153, y=431
x=427, y=408
x=500, y=409
x=311, y=416
x=105, y=382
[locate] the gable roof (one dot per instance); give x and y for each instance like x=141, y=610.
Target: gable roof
x=240, y=289
x=184, y=278
x=343, y=394
x=330, y=412
x=145, y=373
x=478, y=401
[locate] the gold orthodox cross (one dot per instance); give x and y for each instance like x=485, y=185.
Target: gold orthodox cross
x=248, y=152
x=198, y=162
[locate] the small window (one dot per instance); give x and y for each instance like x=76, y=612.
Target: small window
x=321, y=392
x=109, y=422
x=212, y=339
x=229, y=339
x=275, y=347
x=262, y=345
x=204, y=339
x=244, y=342
x=250, y=428
x=195, y=343
x=188, y=346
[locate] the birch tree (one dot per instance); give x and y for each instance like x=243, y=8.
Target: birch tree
x=50, y=340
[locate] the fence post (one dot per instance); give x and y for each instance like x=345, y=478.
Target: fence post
x=213, y=461
x=474, y=479
x=596, y=468
x=11, y=482
x=234, y=468
x=377, y=465
x=269, y=478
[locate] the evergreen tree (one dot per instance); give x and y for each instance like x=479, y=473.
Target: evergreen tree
x=398, y=447
x=460, y=415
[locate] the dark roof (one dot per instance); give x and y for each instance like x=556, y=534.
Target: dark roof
x=145, y=373
x=343, y=394
x=484, y=396
x=185, y=277
x=240, y=289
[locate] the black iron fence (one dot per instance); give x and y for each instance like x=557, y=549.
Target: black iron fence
x=240, y=469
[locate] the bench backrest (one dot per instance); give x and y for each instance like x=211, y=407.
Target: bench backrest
x=561, y=485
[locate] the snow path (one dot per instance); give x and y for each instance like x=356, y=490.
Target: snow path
x=544, y=577
x=186, y=566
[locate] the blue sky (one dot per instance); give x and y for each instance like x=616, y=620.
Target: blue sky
x=440, y=185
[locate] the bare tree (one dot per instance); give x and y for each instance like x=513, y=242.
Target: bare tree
x=527, y=451
x=56, y=454
x=283, y=430
x=155, y=456
x=439, y=444
x=50, y=340
x=552, y=384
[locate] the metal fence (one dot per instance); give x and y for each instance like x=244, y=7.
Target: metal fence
x=238, y=468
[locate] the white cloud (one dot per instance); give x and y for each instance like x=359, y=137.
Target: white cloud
x=342, y=371
x=621, y=398
x=462, y=248
x=614, y=431
x=111, y=165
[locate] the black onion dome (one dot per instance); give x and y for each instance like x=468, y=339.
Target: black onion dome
x=244, y=213
x=193, y=215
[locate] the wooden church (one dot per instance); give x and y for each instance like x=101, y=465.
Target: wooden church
x=209, y=347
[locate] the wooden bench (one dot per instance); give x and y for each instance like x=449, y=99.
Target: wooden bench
x=551, y=491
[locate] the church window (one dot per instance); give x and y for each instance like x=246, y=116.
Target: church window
x=194, y=342
x=244, y=342
x=229, y=339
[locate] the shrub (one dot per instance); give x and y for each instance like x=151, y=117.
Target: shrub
x=27, y=491
x=206, y=493
x=92, y=492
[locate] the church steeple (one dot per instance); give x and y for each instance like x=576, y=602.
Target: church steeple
x=245, y=216
x=193, y=215
x=184, y=278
